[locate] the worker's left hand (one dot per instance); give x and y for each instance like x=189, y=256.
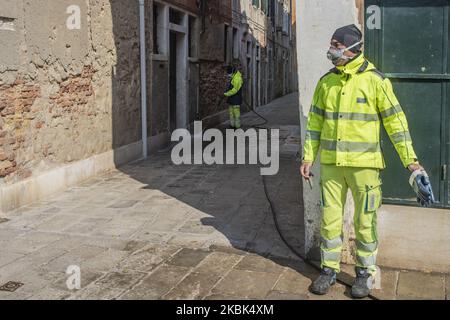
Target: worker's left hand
x=420, y=182
x=415, y=166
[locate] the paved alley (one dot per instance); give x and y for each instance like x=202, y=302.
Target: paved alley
x=153, y=230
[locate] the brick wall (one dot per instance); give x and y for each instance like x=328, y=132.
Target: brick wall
x=17, y=115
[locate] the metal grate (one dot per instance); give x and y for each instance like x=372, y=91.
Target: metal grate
x=11, y=286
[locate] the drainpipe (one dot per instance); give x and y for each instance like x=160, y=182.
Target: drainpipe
x=143, y=78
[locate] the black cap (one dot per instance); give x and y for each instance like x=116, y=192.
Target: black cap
x=348, y=36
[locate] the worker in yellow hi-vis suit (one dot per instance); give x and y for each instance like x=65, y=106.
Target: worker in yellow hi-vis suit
x=234, y=94
x=349, y=104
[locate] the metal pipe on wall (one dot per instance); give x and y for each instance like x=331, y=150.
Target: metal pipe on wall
x=143, y=78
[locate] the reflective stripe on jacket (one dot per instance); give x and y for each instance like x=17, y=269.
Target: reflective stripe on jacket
x=349, y=104
x=234, y=92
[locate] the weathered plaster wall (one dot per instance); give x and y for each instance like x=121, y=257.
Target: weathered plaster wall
x=66, y=95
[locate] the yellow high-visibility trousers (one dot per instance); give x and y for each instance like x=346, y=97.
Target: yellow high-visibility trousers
x=235, y=116
x=365, y=185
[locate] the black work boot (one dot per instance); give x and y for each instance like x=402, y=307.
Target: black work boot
x=322, y=284
x=363, y=283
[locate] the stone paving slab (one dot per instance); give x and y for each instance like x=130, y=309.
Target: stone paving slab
x=194, y=287
x=294, y=282
x=248, y=284
x=279, y=295
x=189, y=258
x=257, y=263
x=148, y=258
x=421, y=286
x=157, y=284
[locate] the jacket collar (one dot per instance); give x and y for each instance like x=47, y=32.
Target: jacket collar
x=353, y=66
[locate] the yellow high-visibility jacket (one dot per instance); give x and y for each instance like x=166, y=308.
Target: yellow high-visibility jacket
x=349, y=104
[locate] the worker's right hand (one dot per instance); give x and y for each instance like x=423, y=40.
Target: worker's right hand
x=305, y=170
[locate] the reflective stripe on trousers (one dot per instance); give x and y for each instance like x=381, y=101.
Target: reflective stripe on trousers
x=366, y=262
x=332, y=244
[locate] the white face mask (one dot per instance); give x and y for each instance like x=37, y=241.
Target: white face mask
x=336, y=55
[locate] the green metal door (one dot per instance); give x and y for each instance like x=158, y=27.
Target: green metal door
x=410, y=45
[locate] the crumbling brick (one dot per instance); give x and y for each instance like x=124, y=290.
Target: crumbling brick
x=75, y=91
x=16, y=101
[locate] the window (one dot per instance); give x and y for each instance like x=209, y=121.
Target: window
x=272, y=4
x=235, y=52
x=175, y=16
x=225, y=44
x=155, y=29
x=236, y=4
x=193, y=42
x=265, y=6
x=285, y=22
x=160, y=44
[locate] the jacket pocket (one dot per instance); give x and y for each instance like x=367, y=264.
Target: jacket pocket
x=374, y=197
